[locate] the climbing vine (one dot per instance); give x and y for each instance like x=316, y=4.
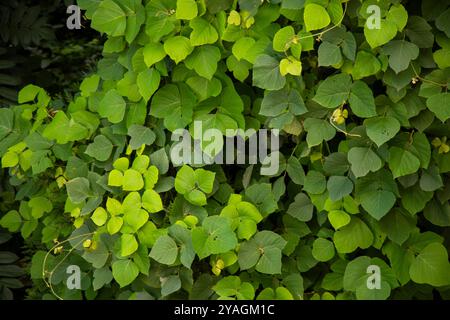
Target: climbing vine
x=362, y=113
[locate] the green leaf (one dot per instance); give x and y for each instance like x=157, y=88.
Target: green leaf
x=279, y=294
x=315, y=182
x=318, y=131
x=109, y=18
x=165, y=250
x=356, y=278
x=291, y=66
x=398, y=15
x=366, y=64
x=64, y=130
x=378, y=202
x=114, y=225
x=398, y=226
x=185, y=180
x=115, y=178
x=315, y=17
x=124, y=272
x=431, y=180
x=333, y=91
x=204, y=61
x=183, y=236
x=295, y=171
x=338, y=218
x=89, y=85
x=135, y=218
x=205, y=180
x=400, y=53
x=151, y=201
x=6, y=122
x=282, y=39
x=419, y=32
x=202, y=32
x=204, y=88
x=215, y=236
x=140, y=135
x=10, y=160
x=39, y=206
x=231, y=286
x=135, y=18
x=361, y=100
x=170, y=285
x=266, y=73
x=100, y=149
x=153, y=53
x=141, y=164
x=186, y=9
x=174, y=104
x=263, y=252
x=112, y=106
x=441, y=58
x=438, y=213
x=378, y=37
x=148, y=82
x=97, y=256
x=431, y=266
x=402, y=162
x=178, y=48
x=132, y=180
x=102, y=277
x=11, y=221
x=438, y=104
x=129, y=245
x=329, y=54
x=354, y=235
x=302, y=209
x=28, y=93
x=381, y=129
x=196, y=197
x=278, y=102
x=242, y=48
x=78, y=190
x=128, y=87
x=99, y=216
x=339, y=187
x=188, y=183
x=414, y=199
x=323, y=250
x=363, y=161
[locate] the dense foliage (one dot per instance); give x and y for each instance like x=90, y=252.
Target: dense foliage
x=364, y=159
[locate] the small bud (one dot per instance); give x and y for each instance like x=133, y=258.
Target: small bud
x=220, y=264
x=436, y=142
x=345, y=113
x=58, y=250
x=87, y=243
x=444, y=148
x=216, y=271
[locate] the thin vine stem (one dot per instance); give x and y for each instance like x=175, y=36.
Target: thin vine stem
x=426, y=80
x=319, y=34
x=44, y=262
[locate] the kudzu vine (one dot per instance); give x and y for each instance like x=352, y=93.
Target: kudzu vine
x=362, y=185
